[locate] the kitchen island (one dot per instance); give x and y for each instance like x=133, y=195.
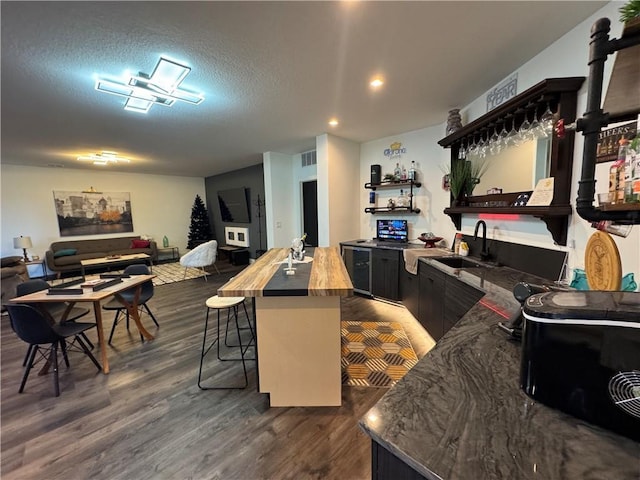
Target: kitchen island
x=460, y=414
x=297, y=324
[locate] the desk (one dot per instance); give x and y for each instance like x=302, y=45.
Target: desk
x=297, y=325
x=95, y=298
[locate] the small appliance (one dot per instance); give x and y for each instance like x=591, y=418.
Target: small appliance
x=376, y=174
x=581, y=355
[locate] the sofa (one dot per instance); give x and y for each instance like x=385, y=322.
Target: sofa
x=13, y=272
x=65, y=256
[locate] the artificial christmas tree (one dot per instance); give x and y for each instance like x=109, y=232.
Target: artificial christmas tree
x=200, y=229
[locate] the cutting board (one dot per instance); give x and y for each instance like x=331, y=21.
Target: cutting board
x=602, y=262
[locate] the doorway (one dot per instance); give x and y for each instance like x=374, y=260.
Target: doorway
x=310, y=211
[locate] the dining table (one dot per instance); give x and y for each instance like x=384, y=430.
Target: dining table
x=78, y=294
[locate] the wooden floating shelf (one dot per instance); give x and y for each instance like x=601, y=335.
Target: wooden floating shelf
x=388, y=184
x=389, y=210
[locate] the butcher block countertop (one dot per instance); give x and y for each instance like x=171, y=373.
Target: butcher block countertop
x=324, y=275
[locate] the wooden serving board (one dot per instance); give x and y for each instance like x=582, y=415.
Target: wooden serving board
x=602, y=262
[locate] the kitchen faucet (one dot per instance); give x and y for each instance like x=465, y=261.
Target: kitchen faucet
x=484, y=254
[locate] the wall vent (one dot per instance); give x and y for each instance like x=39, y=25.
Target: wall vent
x=309, y=158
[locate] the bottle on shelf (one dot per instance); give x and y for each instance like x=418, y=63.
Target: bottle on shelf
x=403, y=175
x=629, y=164
x=402, y=201
x=622, y=157
x=613, y=228
x=397, y=172
x=635, y=179
x=456, y=243
x=372, y=198
x=412, y=171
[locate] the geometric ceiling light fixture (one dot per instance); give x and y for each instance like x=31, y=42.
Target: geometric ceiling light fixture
x=143, y=91
x=104, y=158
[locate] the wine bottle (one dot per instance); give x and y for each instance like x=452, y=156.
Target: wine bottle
x=412, y=171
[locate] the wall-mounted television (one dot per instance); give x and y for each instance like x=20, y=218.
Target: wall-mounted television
x=392, y=230
x=234, y=205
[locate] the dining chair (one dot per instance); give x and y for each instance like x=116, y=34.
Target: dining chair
x=54, y=309
x=146, y=292
x=39, y=330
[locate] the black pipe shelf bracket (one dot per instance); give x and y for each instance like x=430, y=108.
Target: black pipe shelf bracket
x=595, y=118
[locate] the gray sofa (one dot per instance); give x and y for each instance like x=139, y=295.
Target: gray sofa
x=14, y=272
x=65, y=256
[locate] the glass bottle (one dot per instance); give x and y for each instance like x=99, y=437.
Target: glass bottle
x=412, y=171
x=402, y=200
x=622, y=157
x=403, y=176
x=397, y=172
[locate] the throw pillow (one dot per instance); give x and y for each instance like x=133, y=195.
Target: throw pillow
x=140, y=243
x=65, y=252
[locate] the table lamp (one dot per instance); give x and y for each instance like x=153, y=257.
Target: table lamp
x=23, y=243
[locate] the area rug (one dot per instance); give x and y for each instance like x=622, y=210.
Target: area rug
x=375, y=354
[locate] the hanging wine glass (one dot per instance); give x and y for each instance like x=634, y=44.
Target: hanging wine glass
x=523, y=131
x=472, y=150
x=503, y=134
x=482, y=145
x=462, y=151
x=494, y=142
x=510, y=140
x=534, y=131
x=546, y=122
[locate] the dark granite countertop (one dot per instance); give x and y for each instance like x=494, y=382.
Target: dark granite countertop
x=460, y=412
x=373, y=243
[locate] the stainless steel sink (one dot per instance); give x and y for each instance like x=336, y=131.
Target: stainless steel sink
x=459, y=262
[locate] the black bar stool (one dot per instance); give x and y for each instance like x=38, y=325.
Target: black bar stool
x=231, y=305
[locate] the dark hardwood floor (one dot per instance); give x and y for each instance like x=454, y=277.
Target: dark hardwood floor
x=147, y=419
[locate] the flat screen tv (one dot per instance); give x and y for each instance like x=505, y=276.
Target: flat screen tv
x=234, y=205
x=392, y=230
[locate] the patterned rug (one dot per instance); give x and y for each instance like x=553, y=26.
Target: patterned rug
x=375, y=354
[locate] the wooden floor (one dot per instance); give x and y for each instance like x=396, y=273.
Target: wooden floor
x=147, y=419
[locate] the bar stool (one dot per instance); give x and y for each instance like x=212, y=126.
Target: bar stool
x=231, y=305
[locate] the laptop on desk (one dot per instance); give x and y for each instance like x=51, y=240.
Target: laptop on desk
x=392, y=232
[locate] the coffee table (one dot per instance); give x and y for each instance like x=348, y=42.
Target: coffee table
x=120, y=259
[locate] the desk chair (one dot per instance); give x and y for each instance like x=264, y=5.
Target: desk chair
x=37, y=328
x=231, y=305
x=146, y=292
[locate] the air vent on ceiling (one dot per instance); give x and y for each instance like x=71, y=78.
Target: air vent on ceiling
x=55, y=165
x=309, y=158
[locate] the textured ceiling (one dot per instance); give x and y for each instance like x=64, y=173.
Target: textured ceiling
x=272, y=73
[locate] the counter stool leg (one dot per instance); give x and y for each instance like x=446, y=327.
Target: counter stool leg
x=205, y=351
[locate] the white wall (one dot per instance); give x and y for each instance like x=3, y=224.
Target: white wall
x=279, y=194
x=568, y=56
x=161, y=205
x=341, y=159
x=421, y=146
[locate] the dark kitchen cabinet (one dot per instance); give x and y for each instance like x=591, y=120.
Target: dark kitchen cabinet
x=409, y=290
x=458, y=300
x=386, y=466
x=442, y=300
x=385, y=273
x=431, y=300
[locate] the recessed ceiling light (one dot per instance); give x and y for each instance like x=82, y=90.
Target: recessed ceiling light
x=143, y=91
x=333, y=122
x=103, y=158
x=376, y=82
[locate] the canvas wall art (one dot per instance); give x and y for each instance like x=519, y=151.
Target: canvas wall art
x=93, y=213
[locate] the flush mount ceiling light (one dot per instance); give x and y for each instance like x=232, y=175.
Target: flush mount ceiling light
x=333, y=122
x=376, y=82
x=104, y=158
x=143, y=91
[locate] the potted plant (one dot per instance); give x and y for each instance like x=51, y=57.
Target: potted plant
x=462, y=176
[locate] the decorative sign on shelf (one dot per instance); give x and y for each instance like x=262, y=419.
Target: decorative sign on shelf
x=395, y=150
x=609, y=141
x=543, y=193
x=503, y=92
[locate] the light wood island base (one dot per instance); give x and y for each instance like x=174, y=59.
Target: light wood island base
x=299, y=350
